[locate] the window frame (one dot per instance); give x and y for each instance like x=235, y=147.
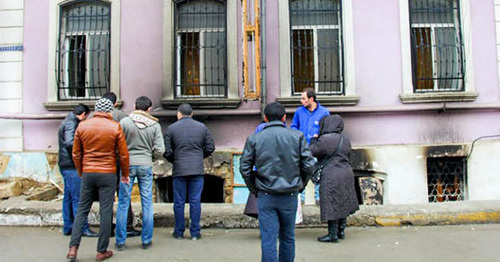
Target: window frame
x=409, y=95
x=287, y=97
x=170, y=100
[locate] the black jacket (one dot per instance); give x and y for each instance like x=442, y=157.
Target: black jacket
x=282, y=157
x=66, y=136
x=187, y=143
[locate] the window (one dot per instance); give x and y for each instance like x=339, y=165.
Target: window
x=446, y=179
x=316, y=43
x=436, y=46
x=200, y=45
x=436, y=51
x=83, y=50
x=312, y=51
x=200, y=54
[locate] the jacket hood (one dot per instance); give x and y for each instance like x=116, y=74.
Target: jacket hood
x=331, y=124
x=142, y=119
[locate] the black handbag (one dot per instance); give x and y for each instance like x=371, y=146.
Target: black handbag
x=316, y=177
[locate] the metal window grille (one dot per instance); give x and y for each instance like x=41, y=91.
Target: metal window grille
x=317, y=46
x=446, y=179
x=83, y=50
x=200, y=48
x=437, y=47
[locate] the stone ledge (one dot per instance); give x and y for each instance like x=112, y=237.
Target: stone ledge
x=68, y=105
x=16, y=212
x=202, y=103
x=438, y=97
x=347, y=100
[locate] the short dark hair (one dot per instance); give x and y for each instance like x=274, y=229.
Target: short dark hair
x=143, y=103
x=310, y=93
x=81, y=108
x=185, y=109
x=111, y=96
x=274, y=111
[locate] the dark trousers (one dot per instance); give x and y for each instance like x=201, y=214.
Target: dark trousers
x=104, y=184
x=277, y=220
x=193, y=185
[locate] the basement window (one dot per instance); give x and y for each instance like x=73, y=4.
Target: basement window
x=446, y=178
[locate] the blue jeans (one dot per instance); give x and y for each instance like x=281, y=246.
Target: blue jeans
x=193, y=185
x=71, y=199
x=316, y=193
x=144, y=175
x=277, y=218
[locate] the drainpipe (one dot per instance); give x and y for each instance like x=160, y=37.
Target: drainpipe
x=263, y=56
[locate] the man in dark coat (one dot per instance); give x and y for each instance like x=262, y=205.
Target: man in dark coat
x=187, y=143
x=284, y=164
x=337, y=192
x=72, y=181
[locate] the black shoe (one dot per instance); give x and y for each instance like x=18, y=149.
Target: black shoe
x=196, y=238
x=342, y=226
x=332, y=232
x=89, y=233
x=177, y=236
x=328, y=238
x=120, y=247
x=133, y=233
x=67, y=233
x=146, y=245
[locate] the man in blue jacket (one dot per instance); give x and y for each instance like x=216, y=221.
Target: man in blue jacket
x=306, y=120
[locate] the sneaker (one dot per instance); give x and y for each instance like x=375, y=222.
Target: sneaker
x=146, y=245
x=177, y=236
x=196, y=238
x=120, y=247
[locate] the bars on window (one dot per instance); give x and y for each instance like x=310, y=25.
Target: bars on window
x=446, y=179
x=83, y=50
x=200, y=46
x=316, y=46
x=437, y=47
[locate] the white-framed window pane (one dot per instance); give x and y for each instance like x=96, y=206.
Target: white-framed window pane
x=201, y=60
x=83, y=50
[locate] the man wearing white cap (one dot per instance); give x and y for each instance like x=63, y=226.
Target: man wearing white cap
x=94, y=152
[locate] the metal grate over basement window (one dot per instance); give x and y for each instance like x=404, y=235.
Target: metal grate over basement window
x=436, y=46
x=83, y=50
x=446, y=178
x=316, y=46
x=200, y=49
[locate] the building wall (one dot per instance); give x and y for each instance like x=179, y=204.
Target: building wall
x=11, y=73
x=394, y=133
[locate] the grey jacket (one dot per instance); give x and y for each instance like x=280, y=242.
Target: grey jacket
x=187, y=142
x=144, y=138
x=66, y=137
x=282, y=157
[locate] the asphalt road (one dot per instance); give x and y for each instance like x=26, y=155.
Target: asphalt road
x=433, y=243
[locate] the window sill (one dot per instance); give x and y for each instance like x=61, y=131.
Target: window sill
x=202, y=103
x=68, y=105
x=438, y=97
x=323, y=100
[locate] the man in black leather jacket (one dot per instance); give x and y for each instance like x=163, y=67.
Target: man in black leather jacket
x=284, y=164
x=67, y=167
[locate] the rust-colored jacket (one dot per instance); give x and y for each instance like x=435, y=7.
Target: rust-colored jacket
x=96, y=142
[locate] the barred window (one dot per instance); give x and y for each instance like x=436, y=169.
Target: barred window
x=83, y=50
x=446, y=179
x=437, y=46
x=200, y=45
x=316, y=46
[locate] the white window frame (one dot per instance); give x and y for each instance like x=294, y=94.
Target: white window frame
x=201, y=62
x=169, y=53
x=409, y=96
x=315, y=28
x=349, y=97
x=54, y=27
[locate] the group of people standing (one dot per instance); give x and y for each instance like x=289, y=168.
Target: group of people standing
x=97, y=150
x=277, y=164
x=107, y=148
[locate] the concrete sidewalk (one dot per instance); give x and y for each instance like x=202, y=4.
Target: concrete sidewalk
x=18, y=212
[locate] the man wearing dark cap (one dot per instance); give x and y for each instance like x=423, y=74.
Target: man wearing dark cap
x=284, y=164
x=187, y=143
x=95, y=148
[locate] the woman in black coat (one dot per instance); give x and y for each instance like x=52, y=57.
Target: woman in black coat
x=337, y=193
